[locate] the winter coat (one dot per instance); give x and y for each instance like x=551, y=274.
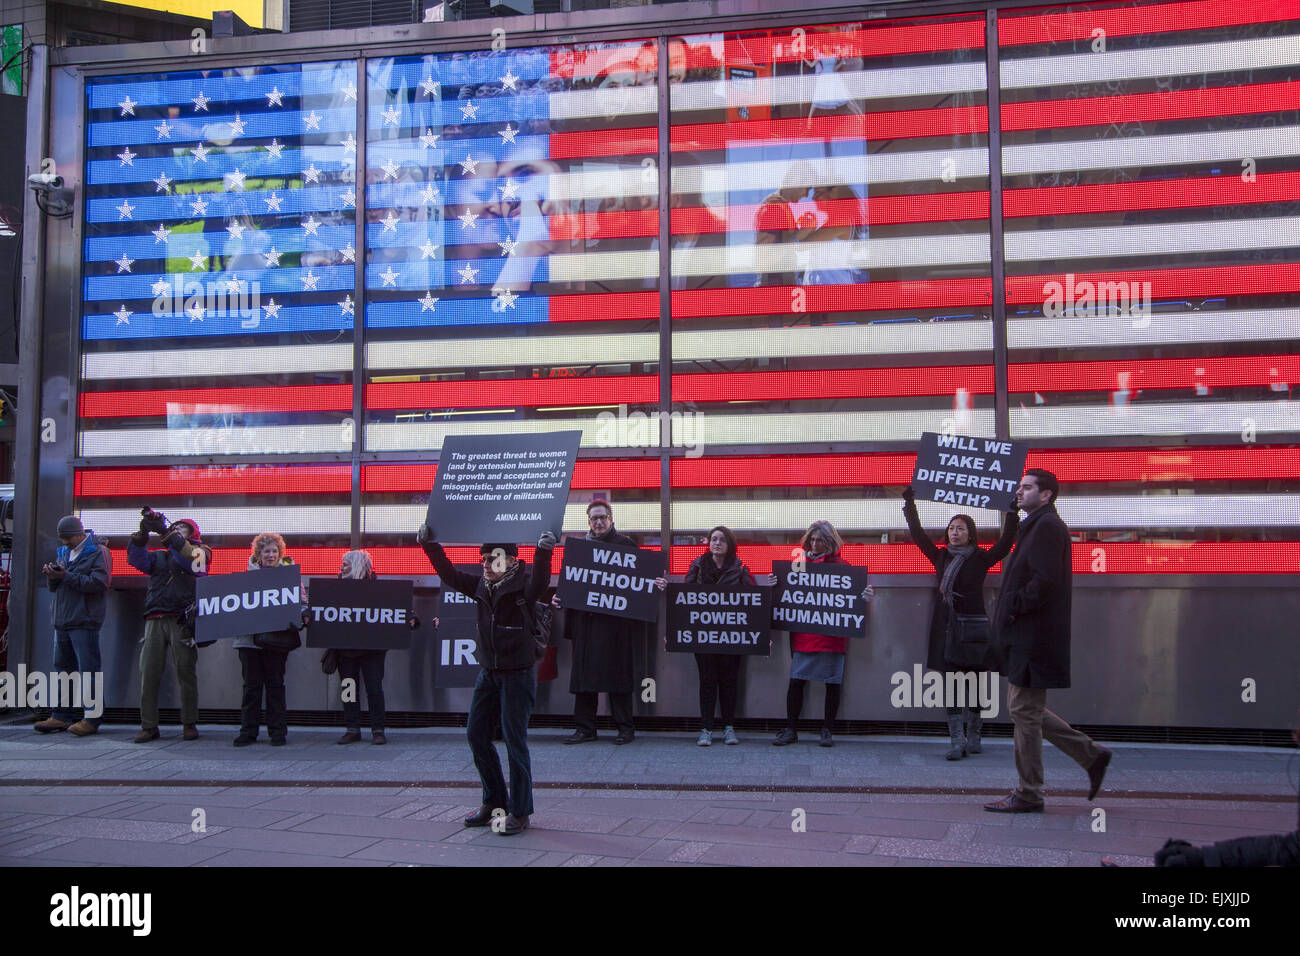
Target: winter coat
x=171, y=571
x=1030, y=627
x=967, y=588
x=1278, y=849
x=285, y=637
x=820, y=643
x=80, y=596
x=506, y=639
x=705, y=571
x=605, y=647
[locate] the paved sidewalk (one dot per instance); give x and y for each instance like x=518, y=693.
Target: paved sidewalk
x=869, y=801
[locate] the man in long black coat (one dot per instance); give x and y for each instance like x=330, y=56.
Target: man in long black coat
x=1031, y=629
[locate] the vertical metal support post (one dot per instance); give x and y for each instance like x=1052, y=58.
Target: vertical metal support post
x=359, y=309
x=1001, y=413
x=665, y=300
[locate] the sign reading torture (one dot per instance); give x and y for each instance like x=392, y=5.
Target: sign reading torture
x=610, y=580
x=502, y=487
x=360, y=615
x=706, y=620
x=249, y=602
x=457, y=644
x=821, y=599
x=973, y=472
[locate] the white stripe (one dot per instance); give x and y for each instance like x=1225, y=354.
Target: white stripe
x=250, y=440
x=214, y=363
x=811, y=88
x=1173, y=238
x=1199, y=418
x=399, y=436
x=921, y=166
x=405, y=519
x=1165, y=329
x=507, y=351
x=1192, y=59
x=606, y=103
x=1229, y=146
x=835, y=255
x=234, y=519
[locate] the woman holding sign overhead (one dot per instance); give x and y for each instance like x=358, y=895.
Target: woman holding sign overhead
x=719, y=567
x=817, y=656
x=961, y=567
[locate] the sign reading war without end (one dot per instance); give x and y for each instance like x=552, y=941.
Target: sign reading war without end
x=250, y=602
x=360, y=615
x=505, y=488
x=820, y=599
x=712, y=621
x=970, y=472
x=605, y=579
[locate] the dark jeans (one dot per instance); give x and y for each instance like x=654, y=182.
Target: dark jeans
x=507, y=696
x=369, y=667
x=584, y=711
x=719, y=675
x=263, y=669
x=77, y=652
x=794, y=703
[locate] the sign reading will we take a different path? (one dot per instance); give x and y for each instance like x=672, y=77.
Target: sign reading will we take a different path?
x=606, y=579
x=360, y=615
x=502, y=488
x=250, y=602
x=820, y=598
x=972, y=472
x=712, y=621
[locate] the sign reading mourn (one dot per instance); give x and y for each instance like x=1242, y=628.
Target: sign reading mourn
x=360, y=615
x=250, y=602
x=605, y=579
x=972, y=472
x=502, y=487
x=704, y=619
x=820, y=599
x=457, y=644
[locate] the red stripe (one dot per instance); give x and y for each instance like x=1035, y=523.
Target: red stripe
x=1038, y=27
x=1151, y=107
x=604, y=307
x=1227, y=190
x=630, y=141
x=899, y=124
x=571, y=62
x=782, y=46
x=790, y=300
x=511, y=392
x=1215, y=281
x=1218, y=372
x=587, y=473
x=833, y=383
x=187, y=401
x=220, y=480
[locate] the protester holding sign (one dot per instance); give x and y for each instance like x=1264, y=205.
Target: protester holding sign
x=817, y=656
x=604, y=648
x=506, y=687
x=719, y=567
x=961, y=568
x=262, y=658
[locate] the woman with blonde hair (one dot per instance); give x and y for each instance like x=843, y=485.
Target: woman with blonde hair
x=262, y=658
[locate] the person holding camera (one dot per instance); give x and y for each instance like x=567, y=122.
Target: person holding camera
x=79, y=577
x=961, y=568
x=506, y=688
x=173, y=571
x=262, y=658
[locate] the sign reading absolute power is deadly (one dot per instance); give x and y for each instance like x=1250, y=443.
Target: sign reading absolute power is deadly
x=606, y=579
x=360, y=615
x=707, y=620
x=971, y=472
x=820, y=599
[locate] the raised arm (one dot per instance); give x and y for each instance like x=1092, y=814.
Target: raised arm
x=541, y=575
x=466, y=584
x=1003, y=546
x=919, y=537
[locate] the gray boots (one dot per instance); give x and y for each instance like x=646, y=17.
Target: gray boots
x=956, y=731
x=973, y=722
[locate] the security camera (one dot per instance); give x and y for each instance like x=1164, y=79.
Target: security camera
x=45, y=181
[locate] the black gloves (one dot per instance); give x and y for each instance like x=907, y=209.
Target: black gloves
x=425, y=535
x=141, y=537
x=1180, y=853
x=908, y=493
x=547, y=541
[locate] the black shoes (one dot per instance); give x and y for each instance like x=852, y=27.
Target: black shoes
x=279, y=741
x=378, y=738
x=484, y=816
x=580, y=738
x=622, y=738
x=514, y=825
x=826, y=740
x=244, y=740
x=1097, y=772
x=786, y=736
x=351, y=737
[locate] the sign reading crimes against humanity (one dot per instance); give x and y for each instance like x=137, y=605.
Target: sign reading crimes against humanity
x=250, y=602
x=606, y=579
x=456, y=649
x=974, y=472
x=503, y=488
x=360, y=615
x=820, y=599
x=712, y=621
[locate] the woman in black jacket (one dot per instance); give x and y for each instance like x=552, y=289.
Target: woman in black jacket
x=961, y=568
x=719, y=673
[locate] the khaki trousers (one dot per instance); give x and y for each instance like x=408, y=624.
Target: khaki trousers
x=161, y=633
x=1033, y=721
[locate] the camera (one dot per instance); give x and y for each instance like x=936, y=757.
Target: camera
x=151, y=520
x=45, y=181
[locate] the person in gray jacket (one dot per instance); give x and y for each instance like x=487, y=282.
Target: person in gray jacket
x=79, y=577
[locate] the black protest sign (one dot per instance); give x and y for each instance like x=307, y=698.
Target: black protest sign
x=819, y=598
x=606, y=579
x=251, y=602
x=711, y=621
x=971, y=472
x=360, y=615
x=502, y=488
x=457, y=644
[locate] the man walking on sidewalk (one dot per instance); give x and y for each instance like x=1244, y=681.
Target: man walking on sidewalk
x=1031, y=630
